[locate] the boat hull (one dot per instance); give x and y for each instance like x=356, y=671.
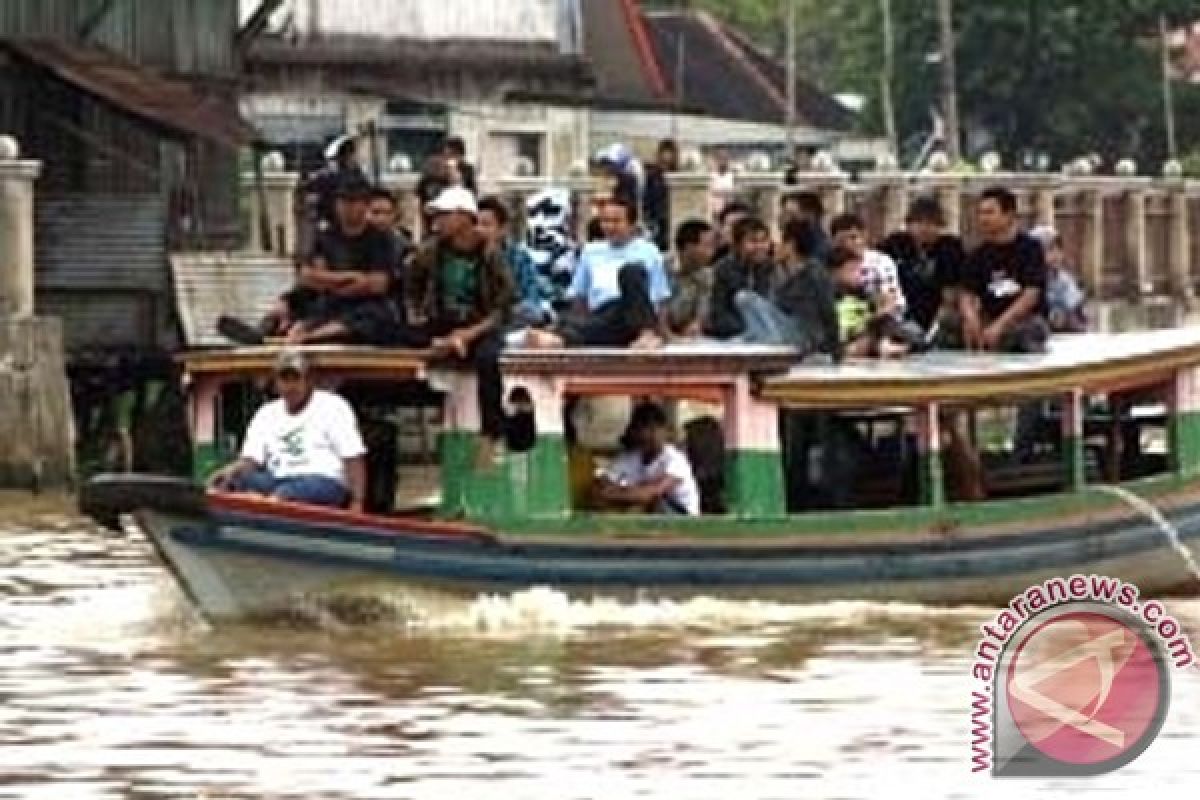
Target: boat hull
x=233, y=563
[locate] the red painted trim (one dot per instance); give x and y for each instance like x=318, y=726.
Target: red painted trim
x=641, y=42
x=699, y=394
x=249, y=504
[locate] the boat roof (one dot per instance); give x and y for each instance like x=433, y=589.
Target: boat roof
x=1089, y=362
x=1095, y=362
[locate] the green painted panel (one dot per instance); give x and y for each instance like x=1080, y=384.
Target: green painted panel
x=755, y=484
x=547, y=489
x=456, y=454
x=1185, y=441
x=931, y=476
x=1075, y=462
x=206, y=459
x=854, y=523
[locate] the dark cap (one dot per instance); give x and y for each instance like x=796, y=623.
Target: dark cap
x=354, y=186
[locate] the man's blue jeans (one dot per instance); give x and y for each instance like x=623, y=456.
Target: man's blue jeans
x=316, y=490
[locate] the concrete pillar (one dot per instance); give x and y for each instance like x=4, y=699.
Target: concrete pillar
x=767, y=190
x=279, y=197
x=16, y=229
x=689, y=196
x=949, y=194
x=1093, y=242
x=1136, y=251
x=1180, y=249
x=892, y=187
x=403, y=185
x=1043, y=202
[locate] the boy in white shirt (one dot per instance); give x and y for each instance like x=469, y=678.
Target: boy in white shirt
x=304, y=447
x=651, y=475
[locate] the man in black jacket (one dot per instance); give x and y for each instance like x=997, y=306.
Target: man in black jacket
x=747, y=266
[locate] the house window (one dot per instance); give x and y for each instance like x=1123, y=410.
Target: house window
x=514, y=154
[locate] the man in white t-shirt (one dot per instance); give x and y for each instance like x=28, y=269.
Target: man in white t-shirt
x=304, y=447
x=651, y=475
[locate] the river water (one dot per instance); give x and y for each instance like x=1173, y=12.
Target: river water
x=110, y=687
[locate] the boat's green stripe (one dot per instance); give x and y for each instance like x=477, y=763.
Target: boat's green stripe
x=1184, y=430
x=206, y=459
x=755, y=484
x=902, y=520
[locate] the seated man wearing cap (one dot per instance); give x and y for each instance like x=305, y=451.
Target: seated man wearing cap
x=304, y=447
x=458, y=293
x=342, y=292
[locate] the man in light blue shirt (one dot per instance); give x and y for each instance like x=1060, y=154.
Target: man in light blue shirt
x=617, y=290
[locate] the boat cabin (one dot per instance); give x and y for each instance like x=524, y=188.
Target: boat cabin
x=872, y=437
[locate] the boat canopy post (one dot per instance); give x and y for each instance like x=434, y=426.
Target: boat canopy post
x=1184, y=416
x=468, y=489
x=541, y=477
x=930, y=472
x=203, y=399
x=755, y=470
x=1074, y=457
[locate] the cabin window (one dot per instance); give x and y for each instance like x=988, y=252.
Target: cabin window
x=1126, y=435
x=849, y=459
x=594, y=430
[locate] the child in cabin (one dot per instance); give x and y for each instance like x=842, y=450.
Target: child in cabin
x=866, y=329
x=650, y=475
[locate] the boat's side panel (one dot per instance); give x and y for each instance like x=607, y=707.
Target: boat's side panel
x=240, y=563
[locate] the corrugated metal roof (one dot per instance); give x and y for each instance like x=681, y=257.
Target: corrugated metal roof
x=173, y=105
x=208, y=285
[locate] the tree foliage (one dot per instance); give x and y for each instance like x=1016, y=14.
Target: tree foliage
x=1060, y=77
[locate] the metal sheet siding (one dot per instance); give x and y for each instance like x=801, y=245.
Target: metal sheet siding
x=190, y=37
x=101, y=242
x=102, y=267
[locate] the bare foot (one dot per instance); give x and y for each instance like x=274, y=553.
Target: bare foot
x=890, y=349
x=649, y=340
x=543, y=340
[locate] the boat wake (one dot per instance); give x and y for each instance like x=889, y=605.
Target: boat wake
x=1152, y=513
x=546, y=611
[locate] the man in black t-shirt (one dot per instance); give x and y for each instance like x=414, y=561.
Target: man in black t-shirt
x=1001, y=306
x=343, y=286
x=929, y=262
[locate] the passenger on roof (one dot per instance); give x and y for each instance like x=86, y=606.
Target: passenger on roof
x=1002, y=304
x=342, y=291
x=929, y=261
x=691, y=279
x=748, y=266
x=1065, y=299
x=495, y=219
x=807, y=206
x=458, y=295
x=304, y=447
x=618, y=287
x=727, y=220
x=866, y=329
x=801, y=311
x=650, y=475
x=321, y=190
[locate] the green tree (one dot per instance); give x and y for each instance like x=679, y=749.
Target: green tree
x=1061, y=77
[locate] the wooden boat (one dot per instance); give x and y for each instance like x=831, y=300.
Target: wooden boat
x=514, y=526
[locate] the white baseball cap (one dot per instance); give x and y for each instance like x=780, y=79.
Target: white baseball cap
x=454, y=199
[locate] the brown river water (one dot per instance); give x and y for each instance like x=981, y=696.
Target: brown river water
x=110, y=687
